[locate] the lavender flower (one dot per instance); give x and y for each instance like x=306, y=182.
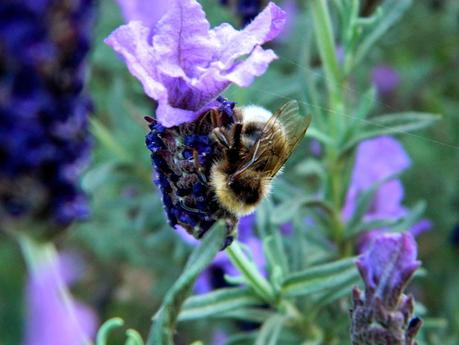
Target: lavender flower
x=376, y=160
x=384, y=314
x=184, y=65
x=43, y=113
x=385, y=79
x=53, y=316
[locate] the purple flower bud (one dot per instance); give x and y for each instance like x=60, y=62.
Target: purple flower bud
x=383, y=314
x=43, y=114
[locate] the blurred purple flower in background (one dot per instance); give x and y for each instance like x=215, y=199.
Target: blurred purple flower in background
x=184, y=64
x=53, y=316
x=378, y=159
x=385, y=79
x=43, y=114
x=384, y=314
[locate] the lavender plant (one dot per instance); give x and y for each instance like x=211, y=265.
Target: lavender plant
x=310, y=269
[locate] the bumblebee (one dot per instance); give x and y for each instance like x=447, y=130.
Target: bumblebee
x=255, y=147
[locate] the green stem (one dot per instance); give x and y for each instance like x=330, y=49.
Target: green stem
x=250, y=273
x=326, y=43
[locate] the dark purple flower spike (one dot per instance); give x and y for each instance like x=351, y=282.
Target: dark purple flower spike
x=383, y=314
x=43, y=112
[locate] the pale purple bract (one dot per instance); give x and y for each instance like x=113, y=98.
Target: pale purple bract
x=184, y=64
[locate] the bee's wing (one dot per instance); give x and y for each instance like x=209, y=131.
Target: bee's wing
x=294, y=127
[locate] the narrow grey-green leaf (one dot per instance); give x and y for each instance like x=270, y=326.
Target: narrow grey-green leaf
x=164, y=322
x=364, y=200
x=391, y=124
x=247, y=314
x=270, y=330
x=370, y=225
x=217, y=302
x=393, y=11
x=319, y=278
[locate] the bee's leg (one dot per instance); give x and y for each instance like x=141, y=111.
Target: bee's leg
x=215, y=118
x=221, y=138
x=231, y=223
x=237, y=132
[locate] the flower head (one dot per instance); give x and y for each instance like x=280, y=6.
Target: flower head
x=53, y=316
x=43, y=113
x=384, y=314
x=184, y=65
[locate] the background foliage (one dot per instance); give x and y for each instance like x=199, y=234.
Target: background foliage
x=133, y=257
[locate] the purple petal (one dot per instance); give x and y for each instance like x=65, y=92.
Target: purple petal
x=265, y=27
x=255, y=65
x=131, y=42
x=143, y=10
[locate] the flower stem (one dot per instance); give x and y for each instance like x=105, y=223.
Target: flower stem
x=250, y=272
x=325, y=41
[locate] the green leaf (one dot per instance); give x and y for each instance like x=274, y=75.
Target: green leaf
x=106, y=328
x=321, y=278
x=391, y=124
x=164, y=322
x=321, y=136
x=258, y=315
x=133, y=337
x=366, y=226
x=273, y=246
x=270, y=330
x=392, y=11
x=244, y=338
x=366, y=104
x=411, y=218
x=363, y=204
x=287, y=210
x=217, y=302
x=250, y=273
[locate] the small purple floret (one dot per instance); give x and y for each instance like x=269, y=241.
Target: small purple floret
x=383, y=314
